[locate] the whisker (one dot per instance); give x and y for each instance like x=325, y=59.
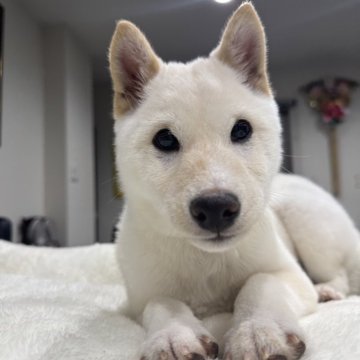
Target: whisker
x=297, y=156
x=107, y=181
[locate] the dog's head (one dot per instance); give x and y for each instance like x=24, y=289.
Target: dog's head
x=197, y=144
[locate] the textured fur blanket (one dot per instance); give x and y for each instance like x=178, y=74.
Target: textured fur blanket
x=68, y=303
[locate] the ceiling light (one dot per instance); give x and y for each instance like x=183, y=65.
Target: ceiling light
x=222, y=1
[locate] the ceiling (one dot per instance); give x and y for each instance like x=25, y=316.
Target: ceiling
x=298, y=30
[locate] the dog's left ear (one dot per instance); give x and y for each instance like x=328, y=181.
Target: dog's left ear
x=243, y=47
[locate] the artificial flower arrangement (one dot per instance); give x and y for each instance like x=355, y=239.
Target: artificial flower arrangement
x=330, y=98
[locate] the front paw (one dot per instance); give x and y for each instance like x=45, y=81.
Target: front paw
x=179, y=342
x=258, y=340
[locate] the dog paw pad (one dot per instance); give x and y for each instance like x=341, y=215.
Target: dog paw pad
x=296, y=343
x=211, y=347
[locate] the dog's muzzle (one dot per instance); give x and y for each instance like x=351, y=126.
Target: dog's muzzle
x=215, y=211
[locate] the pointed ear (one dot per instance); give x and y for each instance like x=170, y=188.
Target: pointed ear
x=243, y=47
x=132, y=64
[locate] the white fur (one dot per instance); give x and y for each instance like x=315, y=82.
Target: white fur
x=176, y=276
x=162, y=251
x=323, y=236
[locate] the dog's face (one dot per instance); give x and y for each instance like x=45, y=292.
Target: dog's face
x=197, y=144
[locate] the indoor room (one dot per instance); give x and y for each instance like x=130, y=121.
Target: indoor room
x=180, y=149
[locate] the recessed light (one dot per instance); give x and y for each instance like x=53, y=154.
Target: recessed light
x=222, y=1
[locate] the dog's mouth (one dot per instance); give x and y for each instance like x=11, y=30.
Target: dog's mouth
x=215, y=239
x=218, y=242
x=220, y=238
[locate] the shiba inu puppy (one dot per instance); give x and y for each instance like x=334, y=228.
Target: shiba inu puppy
x=211, y=238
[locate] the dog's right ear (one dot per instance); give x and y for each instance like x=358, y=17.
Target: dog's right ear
x=133, y=63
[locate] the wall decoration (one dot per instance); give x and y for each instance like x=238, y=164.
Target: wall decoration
x=331, y=99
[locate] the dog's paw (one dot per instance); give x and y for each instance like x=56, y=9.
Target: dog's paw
x=254, y=340
x=328, y=293
x=179, y=342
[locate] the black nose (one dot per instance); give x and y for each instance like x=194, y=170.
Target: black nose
x=215, y=212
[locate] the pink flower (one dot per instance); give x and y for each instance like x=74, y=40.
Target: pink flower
x=332, y=111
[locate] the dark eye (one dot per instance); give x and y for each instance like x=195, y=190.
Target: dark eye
x=241, y=131
x=164, y=140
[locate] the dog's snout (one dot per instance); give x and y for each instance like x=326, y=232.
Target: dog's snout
x=215, y=212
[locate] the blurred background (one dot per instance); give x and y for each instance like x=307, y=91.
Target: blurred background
x=56, y=157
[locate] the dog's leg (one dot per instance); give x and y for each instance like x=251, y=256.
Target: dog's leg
x=265, y=324
x=323, y=235
x=174, y=333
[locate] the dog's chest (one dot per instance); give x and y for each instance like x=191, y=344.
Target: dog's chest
x=209, y=286
x=211, y=297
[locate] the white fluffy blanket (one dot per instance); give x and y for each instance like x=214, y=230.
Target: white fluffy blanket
x=66, y=304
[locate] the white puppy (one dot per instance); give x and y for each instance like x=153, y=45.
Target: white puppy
x=203, y=232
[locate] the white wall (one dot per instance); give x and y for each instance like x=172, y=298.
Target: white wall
x=310, y=145
x=22, y=148
x=80, y=151
x=69, y=146
x=108, y=206
x=55, y=130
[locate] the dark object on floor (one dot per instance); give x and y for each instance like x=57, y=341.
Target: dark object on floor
x=5, y=229
x=38, y=230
